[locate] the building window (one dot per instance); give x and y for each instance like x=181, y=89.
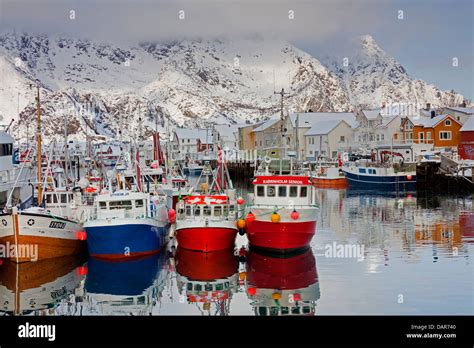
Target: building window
x=445, y=135
x=343, y=138
x=383, y=137
x=428, y=135
x=422, y=136
x=447, y=123
x=378, y=137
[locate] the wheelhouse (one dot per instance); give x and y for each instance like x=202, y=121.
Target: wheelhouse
x=212, y=207
x=278, y=190
x=124, y=204
x=56, y=199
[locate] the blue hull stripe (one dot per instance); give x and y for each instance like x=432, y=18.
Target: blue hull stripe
x=118, y=240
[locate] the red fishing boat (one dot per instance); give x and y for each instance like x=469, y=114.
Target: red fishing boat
x=283, y=213
x=207, y=221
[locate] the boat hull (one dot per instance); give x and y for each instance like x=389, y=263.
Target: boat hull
x=280, y=236
x=336, y=183
x=388, y=183
x=39, y=237
x=205, y=238
x=125, y=240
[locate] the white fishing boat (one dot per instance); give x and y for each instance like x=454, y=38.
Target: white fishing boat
x=38, y=228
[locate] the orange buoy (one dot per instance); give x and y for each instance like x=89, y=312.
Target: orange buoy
x=275, y=217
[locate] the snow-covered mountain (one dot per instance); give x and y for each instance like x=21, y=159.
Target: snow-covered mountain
x=109, y=86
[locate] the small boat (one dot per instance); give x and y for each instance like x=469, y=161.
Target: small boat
x=329, y=177
x=283, y=212
x=126, y=225
x=207, y=221
x=193, y=169
x=48, y=230
x=368, y=175
x=282, y=285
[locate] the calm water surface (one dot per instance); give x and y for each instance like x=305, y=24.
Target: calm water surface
x=371, y=255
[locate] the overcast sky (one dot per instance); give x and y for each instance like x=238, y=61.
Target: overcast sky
x=425, y=41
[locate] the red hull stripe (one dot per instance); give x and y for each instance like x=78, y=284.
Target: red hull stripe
x=206, y=239
x=280, y=235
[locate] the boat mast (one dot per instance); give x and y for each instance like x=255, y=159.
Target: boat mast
x=282, y=93
x=38, y=139
x=66, y=155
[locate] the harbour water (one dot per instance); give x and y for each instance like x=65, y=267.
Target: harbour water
x=372, y=254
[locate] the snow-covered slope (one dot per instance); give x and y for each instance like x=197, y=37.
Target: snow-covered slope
x=372, y=77
x=188, y=82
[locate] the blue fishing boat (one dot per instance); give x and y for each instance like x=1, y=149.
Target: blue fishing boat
x=127, y=225
x=373, y=176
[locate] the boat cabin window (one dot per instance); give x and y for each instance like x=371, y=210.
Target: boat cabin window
x=362, y=170
x=303, y=191
x=103, y=205
x=262, y=311
x=270, y=191
x=120, y=205
x=64, y=198
x=282, y=191
x=293, y=191
x=198, y=287
x=224, y=210
x=139, y=203
x=188, y=210
x=260, y=191
x=207, y=210
x=219, y=286
x=306, y=309
x=208, y=287
x=6, y=149
x=285, y=310
x=197, y=210
x=274, y=310
x=190, y=286
x=295, y=310
x=217, y=211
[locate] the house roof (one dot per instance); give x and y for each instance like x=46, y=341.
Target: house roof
x=197, y=133
x=308, y=119
x=469, y=111
x=428, y=122
x=371, y=114
x=469, y=125
x=386, y=120
x=266, y=124
x=324, y=127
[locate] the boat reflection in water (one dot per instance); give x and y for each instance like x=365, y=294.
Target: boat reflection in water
x=39, y=287
x=125, y=288
x=207, y=278
x=282, y=284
